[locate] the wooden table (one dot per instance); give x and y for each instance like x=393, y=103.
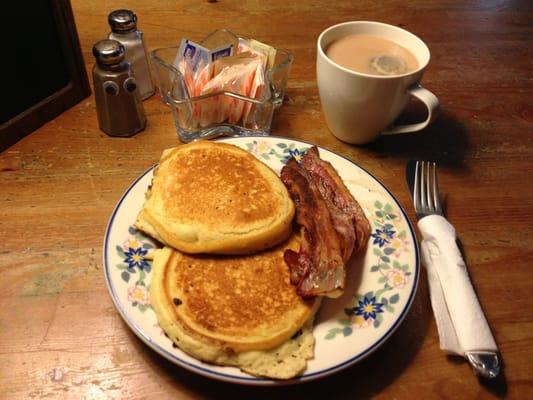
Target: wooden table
x=61, y=336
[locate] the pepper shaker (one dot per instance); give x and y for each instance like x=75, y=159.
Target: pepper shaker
x=124, y=29
x=119, y=108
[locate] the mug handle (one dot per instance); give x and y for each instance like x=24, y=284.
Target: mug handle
x=432, y=104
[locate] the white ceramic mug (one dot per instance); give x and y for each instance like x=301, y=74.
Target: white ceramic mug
x=359, y=107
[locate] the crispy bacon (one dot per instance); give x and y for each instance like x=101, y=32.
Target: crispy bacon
x=332, y=223
x=333, y=189
x=343, y=225
x=318, y=268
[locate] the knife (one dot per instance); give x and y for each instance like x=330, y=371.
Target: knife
x=463, y=329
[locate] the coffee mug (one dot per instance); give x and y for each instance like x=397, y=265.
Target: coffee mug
x=360, y=107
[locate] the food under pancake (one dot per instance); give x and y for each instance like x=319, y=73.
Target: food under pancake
x=209, y=197
x=235, y=310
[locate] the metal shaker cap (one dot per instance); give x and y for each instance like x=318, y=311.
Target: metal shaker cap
x=108, y=52
x=122, y=21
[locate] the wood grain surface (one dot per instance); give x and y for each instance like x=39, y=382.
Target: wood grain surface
x=60, y=335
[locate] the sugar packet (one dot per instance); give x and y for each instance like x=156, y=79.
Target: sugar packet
x=193, y=54
x=268, y=51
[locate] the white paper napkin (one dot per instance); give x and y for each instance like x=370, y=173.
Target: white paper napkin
x=460, y=320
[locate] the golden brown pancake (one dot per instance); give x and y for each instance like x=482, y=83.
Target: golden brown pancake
x=210, y=197
x=234, y=310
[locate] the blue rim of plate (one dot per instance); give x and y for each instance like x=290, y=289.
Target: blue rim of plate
x=256, y=380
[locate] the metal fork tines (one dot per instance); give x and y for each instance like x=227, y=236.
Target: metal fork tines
x=426, y=190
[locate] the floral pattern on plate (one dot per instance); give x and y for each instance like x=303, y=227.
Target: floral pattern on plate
x=284, y=152
x=136, y=256
x=388, y=243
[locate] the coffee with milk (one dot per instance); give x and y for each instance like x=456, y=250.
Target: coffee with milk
x=371, y=54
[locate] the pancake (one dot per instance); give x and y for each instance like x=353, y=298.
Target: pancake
x=209, y=197
x=235, y=310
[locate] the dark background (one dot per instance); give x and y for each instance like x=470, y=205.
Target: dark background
x=33, y=66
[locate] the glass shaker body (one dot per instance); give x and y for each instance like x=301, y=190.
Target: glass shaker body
x=137, y=55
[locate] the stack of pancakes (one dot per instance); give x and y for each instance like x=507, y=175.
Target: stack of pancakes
x=220, y=287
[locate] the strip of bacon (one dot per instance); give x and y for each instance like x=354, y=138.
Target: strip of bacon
x=318, y=268
x=332, y=223
x=343, y=224
x=334, y=191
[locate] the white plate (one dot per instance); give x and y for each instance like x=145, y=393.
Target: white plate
x=381, y=282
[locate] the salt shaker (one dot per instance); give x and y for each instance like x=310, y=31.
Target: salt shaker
x=123, y=25
x=119, y=108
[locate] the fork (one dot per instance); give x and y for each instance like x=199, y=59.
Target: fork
x=426, y=190
x=426, y=200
